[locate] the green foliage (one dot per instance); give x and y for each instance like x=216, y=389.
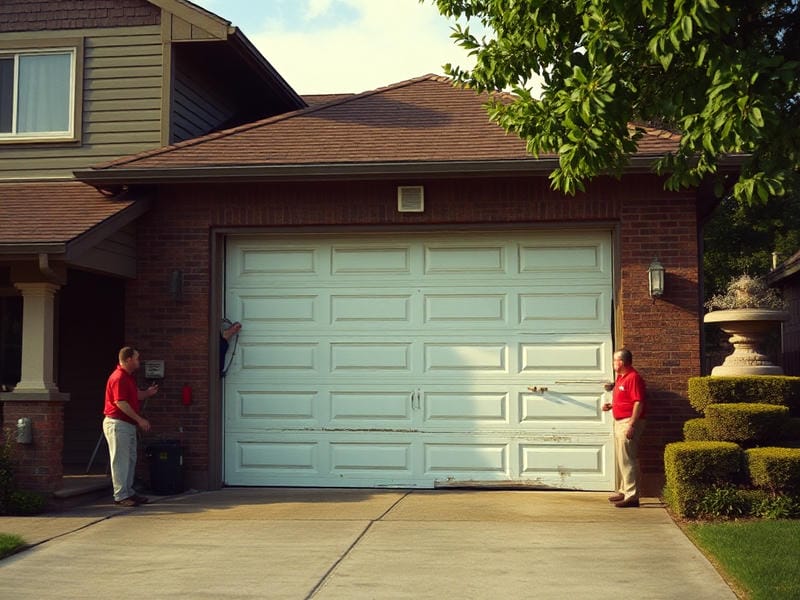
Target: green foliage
x=746, y=423
x=10, y=543
x=740, y=238
x=693, y=467
x=745, y=291
x=722, y=502
x=777, y=390
x=770, y=506
x=12, y=500
x=761, y=556
x=726, y=76
x=774, y=469
x=696, y=430
x=6, y=471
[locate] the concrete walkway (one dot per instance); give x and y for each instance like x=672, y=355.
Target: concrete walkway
x=351, y=544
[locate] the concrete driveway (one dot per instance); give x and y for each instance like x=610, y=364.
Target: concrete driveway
x=352, y=543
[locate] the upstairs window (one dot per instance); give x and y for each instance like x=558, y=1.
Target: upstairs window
x=37, y=94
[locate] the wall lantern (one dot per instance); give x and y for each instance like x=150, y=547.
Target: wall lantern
x=655, y=276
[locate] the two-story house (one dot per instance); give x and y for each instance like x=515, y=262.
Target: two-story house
x=83, y=83
x=419, y=307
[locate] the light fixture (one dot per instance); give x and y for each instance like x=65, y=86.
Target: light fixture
x=655, y=276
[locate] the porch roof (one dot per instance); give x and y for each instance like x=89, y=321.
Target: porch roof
x=59, y=217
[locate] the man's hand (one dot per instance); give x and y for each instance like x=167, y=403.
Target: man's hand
x=152, y=390
x=144, y=424
x=607, y=406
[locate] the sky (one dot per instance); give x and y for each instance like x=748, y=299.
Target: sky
x=333, y=46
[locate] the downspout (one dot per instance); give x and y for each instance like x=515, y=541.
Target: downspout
x=44, y=267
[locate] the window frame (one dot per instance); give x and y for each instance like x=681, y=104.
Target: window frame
x=73, y=46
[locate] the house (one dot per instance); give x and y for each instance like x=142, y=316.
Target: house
x=419, y=307
x=786, y=277
x=84, y=83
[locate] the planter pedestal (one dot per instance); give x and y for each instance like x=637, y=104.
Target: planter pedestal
x=748, y=328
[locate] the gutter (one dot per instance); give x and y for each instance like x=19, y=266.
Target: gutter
x=330, y=171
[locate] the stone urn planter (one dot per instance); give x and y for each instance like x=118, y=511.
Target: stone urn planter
x=748, y=328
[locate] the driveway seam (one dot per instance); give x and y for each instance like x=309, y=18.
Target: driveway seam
x=329, y=573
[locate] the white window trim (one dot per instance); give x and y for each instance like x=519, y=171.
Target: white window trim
x=70, y=133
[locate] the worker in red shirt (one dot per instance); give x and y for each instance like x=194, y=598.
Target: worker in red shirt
x=122, y=411
x=629, y=407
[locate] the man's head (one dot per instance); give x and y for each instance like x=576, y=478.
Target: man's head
x=623, y=359
x=129, y=359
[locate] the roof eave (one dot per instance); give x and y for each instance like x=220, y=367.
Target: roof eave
x=330, y=171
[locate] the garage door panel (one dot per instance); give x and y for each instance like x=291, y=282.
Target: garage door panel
x=278, y=356
x=377, y=457
x=559, y=408
x=299, y=457
x=273, y=310
x=477, y=459
x=368, y=260
x=366, y=408
x=542, y=460
x=255, y=263
x=461, y=357
x=371, y=309
x=565, y=309
x=465, y=260
x=466, y=308
x=578, y=358
x=467, y=408
x=370, y=357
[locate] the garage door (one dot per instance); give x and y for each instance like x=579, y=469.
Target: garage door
x=406, y=360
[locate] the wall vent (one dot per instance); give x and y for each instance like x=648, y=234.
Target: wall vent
x=410, y=198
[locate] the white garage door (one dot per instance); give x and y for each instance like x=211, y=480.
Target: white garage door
x=406, y=360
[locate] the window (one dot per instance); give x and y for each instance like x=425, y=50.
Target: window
x=37, y=94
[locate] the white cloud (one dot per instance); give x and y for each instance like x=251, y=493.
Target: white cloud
x=379, y=42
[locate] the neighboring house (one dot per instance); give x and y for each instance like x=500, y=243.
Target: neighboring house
x=786, y=277
x=82, y=83
x=419, y=307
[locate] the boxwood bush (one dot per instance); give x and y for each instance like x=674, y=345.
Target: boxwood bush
x=747, y=423
x=774, y=469
x=772, y=389
x=691, y=468
x=696, y=430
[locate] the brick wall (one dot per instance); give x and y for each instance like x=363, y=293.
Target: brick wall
x=37, y=466
x=663, y=335
x=39, y=15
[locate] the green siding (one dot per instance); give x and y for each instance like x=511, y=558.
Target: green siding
x=122, y=78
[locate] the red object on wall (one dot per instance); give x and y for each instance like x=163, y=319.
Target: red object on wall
x=186, y=395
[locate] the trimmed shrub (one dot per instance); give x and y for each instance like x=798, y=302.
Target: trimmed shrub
x=762, y=389
x=692, y=467
x=746, y=423
x=696, y=430
x=774, y=469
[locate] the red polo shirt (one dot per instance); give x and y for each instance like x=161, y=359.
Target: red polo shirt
x=121, y=386
x=628, y=389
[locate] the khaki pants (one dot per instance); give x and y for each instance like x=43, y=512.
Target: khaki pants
x=627, y=457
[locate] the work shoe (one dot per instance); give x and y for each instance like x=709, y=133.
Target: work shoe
x=629, y=503
x=140, y=499
x=131, y=501
x=616, y=497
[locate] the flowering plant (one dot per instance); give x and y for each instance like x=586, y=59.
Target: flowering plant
x=745, y=291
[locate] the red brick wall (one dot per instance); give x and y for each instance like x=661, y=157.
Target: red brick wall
x=37, y=466
x=38, y=15
x=663, y=335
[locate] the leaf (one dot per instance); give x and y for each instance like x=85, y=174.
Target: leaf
x=686, y=26
x=541, y=40
x=755, y=117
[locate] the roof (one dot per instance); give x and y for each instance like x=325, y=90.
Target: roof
x=419, y=125
x=54, y=217
x=787, y=269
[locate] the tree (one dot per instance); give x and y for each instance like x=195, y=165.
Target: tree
x=726, y=75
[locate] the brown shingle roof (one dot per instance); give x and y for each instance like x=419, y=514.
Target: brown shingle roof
x=33, y=214
x=423, y=119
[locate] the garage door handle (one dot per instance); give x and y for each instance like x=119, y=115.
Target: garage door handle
x=416, y=399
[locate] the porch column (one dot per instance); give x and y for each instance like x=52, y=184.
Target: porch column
x=38, y=325
x=38, y=464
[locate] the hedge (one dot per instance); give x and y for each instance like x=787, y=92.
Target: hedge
x=746, y=423
x=772, y=389
x=774, y=469
x=696, y=430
